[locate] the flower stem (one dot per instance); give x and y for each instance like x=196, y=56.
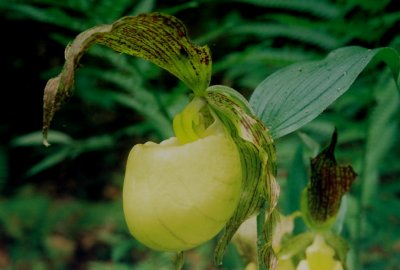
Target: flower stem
x=260, y=236
x=179, y=260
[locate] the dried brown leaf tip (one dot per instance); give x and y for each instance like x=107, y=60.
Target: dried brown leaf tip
x=159, y=38
x=329, y=182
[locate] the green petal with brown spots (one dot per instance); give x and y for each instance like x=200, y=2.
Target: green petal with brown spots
x=258, y=159
x=159, y=38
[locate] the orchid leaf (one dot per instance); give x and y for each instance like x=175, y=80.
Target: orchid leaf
x=159, y=38
x=295, y=95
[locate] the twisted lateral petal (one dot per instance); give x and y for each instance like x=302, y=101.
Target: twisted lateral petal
x=257, y=153
x=177, y=196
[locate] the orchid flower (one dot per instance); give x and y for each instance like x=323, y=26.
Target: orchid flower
x=217, y=170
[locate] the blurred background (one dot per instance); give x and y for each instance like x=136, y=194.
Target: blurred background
x=60, y=207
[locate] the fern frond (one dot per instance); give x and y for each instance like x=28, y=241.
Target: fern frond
x=108, y=11
x=301, y=33
x=266, y=56
x=49, y=15
x=318, y=8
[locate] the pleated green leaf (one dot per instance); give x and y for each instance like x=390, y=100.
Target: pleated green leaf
x=159, y=38
x=295, y=95
x=257, y=153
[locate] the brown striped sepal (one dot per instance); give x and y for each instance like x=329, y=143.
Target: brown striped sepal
x=329, y=182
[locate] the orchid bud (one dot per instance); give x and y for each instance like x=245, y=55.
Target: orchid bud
x=329, y=182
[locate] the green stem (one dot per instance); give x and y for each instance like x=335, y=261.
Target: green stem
x=260, y=236
x=179, y=260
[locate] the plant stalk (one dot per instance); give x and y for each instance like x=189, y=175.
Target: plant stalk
x=260, y=236
x=179, y=260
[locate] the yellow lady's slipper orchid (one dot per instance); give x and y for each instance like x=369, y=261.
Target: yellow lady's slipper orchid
x=178, y=195
x=217, y=172
x=319, y=256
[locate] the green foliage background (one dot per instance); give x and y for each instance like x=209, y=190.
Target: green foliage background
x=60, y=207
